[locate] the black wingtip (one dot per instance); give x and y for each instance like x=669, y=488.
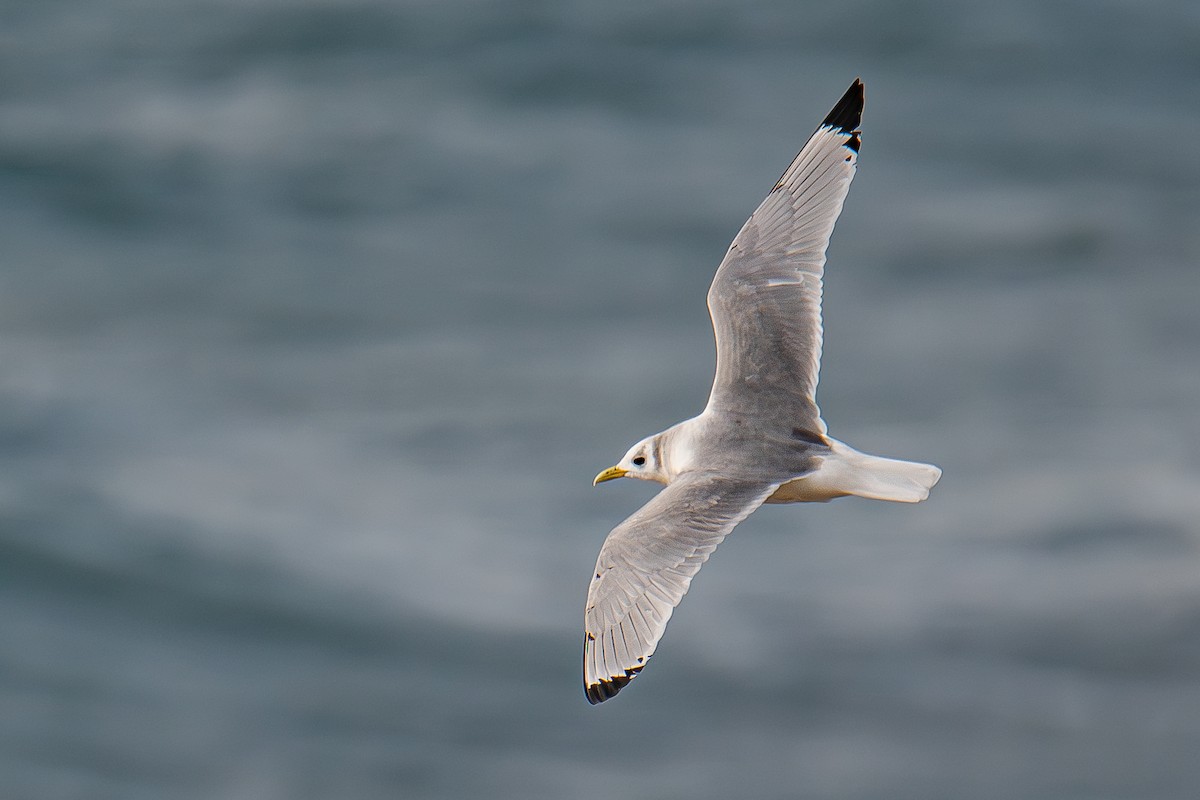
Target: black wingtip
x=605, y=689
x=846, y=116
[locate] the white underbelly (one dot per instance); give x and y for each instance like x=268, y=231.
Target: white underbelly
x=819, y=486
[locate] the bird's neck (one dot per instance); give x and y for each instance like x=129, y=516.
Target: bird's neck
x=676, y=449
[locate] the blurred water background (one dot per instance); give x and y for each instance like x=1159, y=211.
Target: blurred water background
x=317, y=319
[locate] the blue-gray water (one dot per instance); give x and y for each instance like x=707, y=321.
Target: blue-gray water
x=317, y=318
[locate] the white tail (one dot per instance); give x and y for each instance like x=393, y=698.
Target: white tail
x=846, y=471
x=880, y=478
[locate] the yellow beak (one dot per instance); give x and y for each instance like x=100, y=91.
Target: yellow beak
x=609, y=474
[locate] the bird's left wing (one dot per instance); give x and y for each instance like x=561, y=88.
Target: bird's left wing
x=765, y=300
x=646, y=566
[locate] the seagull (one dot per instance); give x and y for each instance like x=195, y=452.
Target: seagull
x=760, y=438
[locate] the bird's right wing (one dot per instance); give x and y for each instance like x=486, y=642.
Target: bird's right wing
x=765, y=300
x=646, y=566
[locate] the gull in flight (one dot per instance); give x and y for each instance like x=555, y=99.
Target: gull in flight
x=761, y=438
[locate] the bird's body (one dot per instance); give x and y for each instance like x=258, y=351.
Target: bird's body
x=760, y=439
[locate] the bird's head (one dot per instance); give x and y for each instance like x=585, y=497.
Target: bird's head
x=643, y=461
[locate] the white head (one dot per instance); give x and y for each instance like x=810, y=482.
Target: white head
x=643, y=461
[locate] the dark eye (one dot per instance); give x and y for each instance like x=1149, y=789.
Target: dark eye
x=639, y=461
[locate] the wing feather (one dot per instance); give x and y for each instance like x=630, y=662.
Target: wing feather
x=765, y=300
x=646, y=566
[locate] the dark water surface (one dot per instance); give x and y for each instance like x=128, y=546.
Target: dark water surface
x=317, y=318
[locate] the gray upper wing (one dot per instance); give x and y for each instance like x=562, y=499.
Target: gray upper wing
x=765, y=300
x=646, y=566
